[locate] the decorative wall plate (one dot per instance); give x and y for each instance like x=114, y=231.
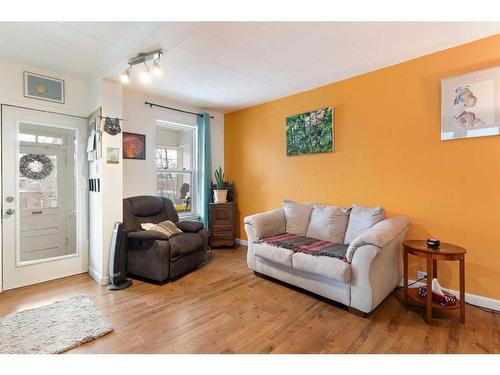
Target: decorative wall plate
x=112, y=126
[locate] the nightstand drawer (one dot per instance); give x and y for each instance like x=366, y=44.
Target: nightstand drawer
x=222, y=224
x=222, y=228
x=223, y=236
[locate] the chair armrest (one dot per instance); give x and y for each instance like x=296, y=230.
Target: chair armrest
x=380, y=235
x=189, y=226
x=147, y=235
x=267, y=224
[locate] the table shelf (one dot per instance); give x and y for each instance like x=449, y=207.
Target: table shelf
x=414, y=296
x=446, y=252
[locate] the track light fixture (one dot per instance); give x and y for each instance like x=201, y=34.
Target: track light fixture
x=146, y=73
x=156, y=68
x=125, y=77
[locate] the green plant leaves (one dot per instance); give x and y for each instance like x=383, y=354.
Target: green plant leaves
x=219, y=178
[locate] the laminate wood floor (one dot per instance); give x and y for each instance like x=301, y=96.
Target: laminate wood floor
x=224, y=308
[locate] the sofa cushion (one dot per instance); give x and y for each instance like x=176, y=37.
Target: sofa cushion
x=147, y=205
x=361, y=219
x=273, y=253
x=147, y=209
x=328, y=223
x=185, y=243
x=332, y=268
x=297, y=216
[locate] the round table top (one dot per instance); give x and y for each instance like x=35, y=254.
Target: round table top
x=444, y=248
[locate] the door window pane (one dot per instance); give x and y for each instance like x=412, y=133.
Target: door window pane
x=39, y=194
x=27, y=137
x=47, y=205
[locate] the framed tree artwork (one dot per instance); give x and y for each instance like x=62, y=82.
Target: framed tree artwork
x=310, y=132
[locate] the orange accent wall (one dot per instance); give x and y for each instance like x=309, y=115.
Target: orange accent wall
x=387, y=152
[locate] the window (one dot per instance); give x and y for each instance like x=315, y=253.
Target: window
x=26, y=137
x=176, y=165
x=166, y=157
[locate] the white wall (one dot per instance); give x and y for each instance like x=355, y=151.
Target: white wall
x=77, y=91
x=77, y=100
x=139, y=176
x=105, y=207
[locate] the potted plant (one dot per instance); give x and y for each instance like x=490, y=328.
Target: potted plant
x=220, y=193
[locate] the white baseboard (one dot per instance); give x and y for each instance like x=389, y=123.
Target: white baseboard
x=239, y=241
x=98, y=277
x=473, y=299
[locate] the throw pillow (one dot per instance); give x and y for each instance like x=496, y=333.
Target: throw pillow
x=166, y=227
x=328, y=223
x=297, y=216
x=361, y=219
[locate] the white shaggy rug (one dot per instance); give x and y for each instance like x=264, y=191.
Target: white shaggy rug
x=54, y=328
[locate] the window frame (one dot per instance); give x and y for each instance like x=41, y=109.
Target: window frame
x=194, y=191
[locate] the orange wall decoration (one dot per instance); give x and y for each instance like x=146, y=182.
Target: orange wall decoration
x=387, y=152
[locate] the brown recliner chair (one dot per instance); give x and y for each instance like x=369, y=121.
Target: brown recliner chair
x=151, y=254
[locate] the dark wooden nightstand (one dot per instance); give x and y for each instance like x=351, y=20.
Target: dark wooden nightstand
x=222, y=224
x=444, y=252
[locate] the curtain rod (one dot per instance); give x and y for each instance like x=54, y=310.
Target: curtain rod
x=151, y=105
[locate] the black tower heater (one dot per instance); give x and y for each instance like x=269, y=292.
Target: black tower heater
x=118, y=259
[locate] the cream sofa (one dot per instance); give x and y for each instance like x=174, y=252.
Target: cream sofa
x=370, y=271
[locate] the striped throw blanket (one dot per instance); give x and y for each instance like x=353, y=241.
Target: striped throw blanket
x=307, y=245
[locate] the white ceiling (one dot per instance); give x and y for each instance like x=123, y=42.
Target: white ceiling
x=230, y=65
x=79, y=49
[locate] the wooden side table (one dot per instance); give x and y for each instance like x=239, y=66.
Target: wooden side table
x=222, y=224
x=445, y=252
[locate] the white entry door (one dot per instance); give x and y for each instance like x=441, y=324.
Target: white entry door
x=44, y=200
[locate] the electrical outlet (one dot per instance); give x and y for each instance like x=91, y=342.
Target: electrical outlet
x=421, y=275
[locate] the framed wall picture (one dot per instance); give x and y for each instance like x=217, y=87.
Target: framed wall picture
x=134, y=146
x=470, y=105
x=37, y=86
x=112, y=155
x=310, y=132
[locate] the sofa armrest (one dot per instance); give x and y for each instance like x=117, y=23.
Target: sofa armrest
x=189, y=226
x=261, y=225
x=266, y=224
x=147, y=235
x=380, y=235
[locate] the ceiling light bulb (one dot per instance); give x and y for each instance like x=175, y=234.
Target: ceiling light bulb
x=145, y=75
x=125, y=77
x=156, y=69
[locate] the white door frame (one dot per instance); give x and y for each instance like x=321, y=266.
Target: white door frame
x=81, y=171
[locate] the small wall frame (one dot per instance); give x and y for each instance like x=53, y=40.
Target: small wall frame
x=37, y=86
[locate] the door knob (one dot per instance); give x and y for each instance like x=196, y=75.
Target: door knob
x=10, y=211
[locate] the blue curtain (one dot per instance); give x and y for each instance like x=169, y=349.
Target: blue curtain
x=204, y=166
